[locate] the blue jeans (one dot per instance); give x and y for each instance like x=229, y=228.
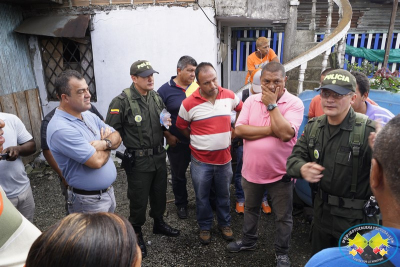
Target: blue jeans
x=238, y=177
x=104, y=202
x=204, y=176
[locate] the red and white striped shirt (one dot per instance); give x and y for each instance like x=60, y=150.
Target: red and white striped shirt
x=210, y=125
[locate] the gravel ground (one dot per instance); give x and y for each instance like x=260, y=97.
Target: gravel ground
x=184, y=250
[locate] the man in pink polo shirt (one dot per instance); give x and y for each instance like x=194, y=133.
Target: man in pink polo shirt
x=268, y=123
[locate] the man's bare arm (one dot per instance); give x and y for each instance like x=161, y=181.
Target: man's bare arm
x=25, y=149
x=185, y=132
x=98, y=159
x=250, y=132
x=53, y=164
x=101, y=145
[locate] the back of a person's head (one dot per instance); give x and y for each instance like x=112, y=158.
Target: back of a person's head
x=90, y=240
x=387, y=153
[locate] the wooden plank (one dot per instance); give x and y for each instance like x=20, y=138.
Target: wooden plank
x=100, y=2
x=80, y=2
x=35, y=114
x=189, y=1
x=121, y=2
x=138, y=2
x=7, y=104
x=22, y=110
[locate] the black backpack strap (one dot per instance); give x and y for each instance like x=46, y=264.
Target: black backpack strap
x=356, y=140
x=245, y=94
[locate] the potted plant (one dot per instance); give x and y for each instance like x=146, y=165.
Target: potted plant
x=384, y=79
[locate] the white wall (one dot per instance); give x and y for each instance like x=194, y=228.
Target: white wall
x=159, y=34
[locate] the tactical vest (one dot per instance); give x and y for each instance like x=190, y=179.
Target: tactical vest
x=136, y=109
x=356, y=139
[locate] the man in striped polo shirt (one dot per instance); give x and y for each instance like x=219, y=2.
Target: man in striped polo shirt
x=204, y=118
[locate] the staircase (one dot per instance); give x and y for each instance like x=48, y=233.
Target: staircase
x=309, y=57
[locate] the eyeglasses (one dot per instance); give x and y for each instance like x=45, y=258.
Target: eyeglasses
x=328, y=93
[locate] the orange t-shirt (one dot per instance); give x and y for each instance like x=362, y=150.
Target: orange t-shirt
x=315, y=109
x=254, y=62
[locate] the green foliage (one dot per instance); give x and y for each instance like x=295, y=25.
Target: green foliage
x=366, y=67
x=385, y=80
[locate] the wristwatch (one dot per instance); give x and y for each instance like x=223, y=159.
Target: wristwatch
x=271, y=106
x=108, y=143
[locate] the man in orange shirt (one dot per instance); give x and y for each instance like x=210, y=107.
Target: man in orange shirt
x=261, y=57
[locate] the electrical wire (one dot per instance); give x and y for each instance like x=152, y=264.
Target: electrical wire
x=197, y=2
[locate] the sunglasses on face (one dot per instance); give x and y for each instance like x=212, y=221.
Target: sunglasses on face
x=328, y=93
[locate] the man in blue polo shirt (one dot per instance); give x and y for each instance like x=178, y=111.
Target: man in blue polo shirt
x=172, y=94
x=81, y=143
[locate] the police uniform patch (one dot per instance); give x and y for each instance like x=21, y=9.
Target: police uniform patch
x=138, y=118
x=316, y=154
x=114, y=111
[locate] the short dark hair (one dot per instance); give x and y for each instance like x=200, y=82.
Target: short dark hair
x=274, y=66
x=326, y=71
x=61, y=84
x=85, y=239
x=387, y=153
x=201, y=67
x=184, y=61
x=362, y=82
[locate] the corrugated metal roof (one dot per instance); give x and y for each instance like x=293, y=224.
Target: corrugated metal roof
x=16, y=72
x=73, y=26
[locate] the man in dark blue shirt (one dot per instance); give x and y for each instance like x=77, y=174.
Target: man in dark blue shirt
x=173, y=93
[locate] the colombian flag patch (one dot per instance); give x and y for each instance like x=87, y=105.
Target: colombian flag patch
x=114, y=111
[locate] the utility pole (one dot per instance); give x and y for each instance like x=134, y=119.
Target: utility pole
x=389, y=38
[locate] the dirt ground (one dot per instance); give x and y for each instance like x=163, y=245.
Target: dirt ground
x=184, y=250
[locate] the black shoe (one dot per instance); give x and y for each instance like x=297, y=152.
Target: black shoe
x=160, y=227
x=182, y=212
x=141, y=244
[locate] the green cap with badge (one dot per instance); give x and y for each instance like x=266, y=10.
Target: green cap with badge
x=340, y=81
x=142, y=68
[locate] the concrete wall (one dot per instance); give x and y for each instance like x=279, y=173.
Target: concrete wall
x=160, y=34
x=254, y=9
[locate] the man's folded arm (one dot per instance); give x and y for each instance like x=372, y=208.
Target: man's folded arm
x=250, y=132
x=98, y=159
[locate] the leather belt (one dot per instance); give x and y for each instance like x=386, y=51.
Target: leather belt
x=84, y=192
x=341, y=202
x=146, y=151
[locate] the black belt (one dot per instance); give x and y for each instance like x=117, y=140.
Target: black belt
x=342, y=202
x=84, y=192
x=146, y=151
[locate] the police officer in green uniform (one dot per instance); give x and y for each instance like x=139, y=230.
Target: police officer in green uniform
x=135, y=114
x=334, y=157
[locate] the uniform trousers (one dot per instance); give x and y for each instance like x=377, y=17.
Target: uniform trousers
x=143, y=186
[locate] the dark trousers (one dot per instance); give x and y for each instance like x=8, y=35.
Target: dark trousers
x=321, y=240
x=143, y=186
x=282, y=206
x=179, y=158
